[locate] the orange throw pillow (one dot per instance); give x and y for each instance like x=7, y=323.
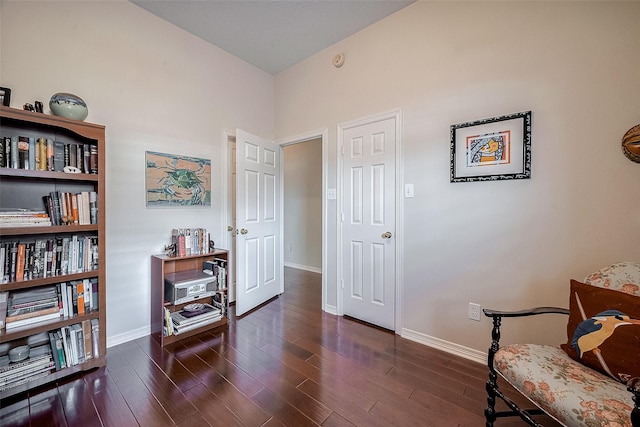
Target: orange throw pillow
x=604, y=322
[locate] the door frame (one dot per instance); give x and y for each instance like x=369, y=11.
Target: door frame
x=226, y=204
x=322, y=134
x=395, y=114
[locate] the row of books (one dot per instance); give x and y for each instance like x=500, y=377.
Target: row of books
x=66, y=208
x=66, y=347
x=27, y=307
x=187, y=319
x=218, y=268
x=43, y=154
x=40, y=258
x=220, y=300
x=191, y=241
x=75, y=344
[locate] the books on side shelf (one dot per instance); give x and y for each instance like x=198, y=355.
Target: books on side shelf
x=191, y=241
x=185, y=320
x=52, y=351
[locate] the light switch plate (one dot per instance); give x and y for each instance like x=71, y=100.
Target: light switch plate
x=408, y=190
x=331, y=193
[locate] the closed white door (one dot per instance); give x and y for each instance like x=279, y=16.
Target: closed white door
x=368, y=223
x=258, y=237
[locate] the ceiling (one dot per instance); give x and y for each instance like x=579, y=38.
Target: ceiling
x=272, y=34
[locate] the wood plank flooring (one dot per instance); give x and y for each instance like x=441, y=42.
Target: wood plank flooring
x=285, y=364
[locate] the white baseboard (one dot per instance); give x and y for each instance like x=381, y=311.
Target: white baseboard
x=303, y=267
x=449, y=347
x=331, y=309
x=128, y=336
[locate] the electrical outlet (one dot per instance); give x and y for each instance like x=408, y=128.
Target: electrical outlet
x=474, y=311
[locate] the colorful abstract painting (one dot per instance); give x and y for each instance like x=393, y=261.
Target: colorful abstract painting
x=489, y=149
x=173, y=180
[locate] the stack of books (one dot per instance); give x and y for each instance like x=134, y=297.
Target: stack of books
x=193, y=316
x=39, y=364
x=32, y=305
x=23, y=218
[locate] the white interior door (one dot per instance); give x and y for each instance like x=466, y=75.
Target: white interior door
x=368, y=226
x=258, y=238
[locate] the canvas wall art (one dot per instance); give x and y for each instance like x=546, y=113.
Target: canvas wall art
x=174, y=180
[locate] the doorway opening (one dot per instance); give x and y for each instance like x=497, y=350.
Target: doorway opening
x=303, y=234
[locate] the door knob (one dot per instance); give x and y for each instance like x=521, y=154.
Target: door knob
x=243, y=231
x=387, y=235
x=229, y=228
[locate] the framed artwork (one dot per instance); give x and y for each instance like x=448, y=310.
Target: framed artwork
x=492, y=149
x=173, y=180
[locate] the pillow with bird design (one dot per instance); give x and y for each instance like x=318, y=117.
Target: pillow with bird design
x=604, y=330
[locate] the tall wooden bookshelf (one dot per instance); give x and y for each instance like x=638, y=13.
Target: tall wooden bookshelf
x=25, y=188
x=161, y=266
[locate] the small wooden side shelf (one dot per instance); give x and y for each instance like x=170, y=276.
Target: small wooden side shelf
x=161, y=265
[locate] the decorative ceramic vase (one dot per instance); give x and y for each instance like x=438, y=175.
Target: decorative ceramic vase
x=631, y=144
x=68, y=105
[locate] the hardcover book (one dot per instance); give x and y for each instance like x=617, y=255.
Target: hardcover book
x=58, y=156
x=23, y=152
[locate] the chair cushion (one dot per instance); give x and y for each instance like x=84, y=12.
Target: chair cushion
x=604, y=330
x=622, y=276
x=570, y=392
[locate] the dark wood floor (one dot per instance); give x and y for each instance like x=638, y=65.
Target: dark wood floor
x=286, y=363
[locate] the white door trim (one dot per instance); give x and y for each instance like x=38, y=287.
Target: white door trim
x=399, y=232
x=226, y=202
x=323, y=134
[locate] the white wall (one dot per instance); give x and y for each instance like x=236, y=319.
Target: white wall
x=154, y=87
x=302, y=170
x=500, y=244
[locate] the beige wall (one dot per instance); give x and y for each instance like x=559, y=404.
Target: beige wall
x=155, y=87
x=500, y=244
x=302, y=171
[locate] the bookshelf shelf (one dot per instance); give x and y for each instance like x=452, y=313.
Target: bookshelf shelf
x=37, y=328
x=62, y=176
x=161, y=266
x=24, y=188
x=49, y=229
x=24, y=284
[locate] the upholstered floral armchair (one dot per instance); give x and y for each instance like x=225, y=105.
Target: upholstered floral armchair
x=592, y=380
